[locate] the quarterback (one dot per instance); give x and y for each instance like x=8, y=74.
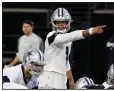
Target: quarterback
x=57, y=49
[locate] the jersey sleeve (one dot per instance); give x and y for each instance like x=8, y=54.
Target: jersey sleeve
x=8, y=86
x=56, y=38
x=68, y=66
x=8, y=75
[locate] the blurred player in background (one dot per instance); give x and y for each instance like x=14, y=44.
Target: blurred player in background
x=57, y=49
x=27, y=41
x=110, y=77
x=26, y=73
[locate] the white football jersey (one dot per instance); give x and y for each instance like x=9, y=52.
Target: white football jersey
x=106, y=85
x=8, y=85
x=15, y=74
x=57, y=50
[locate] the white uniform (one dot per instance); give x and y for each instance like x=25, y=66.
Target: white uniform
x=57, y=50
x=15, y=74
x=106, y=85
x=27, y=42
x=8, y=85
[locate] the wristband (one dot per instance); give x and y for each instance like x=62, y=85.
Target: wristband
x=91, y=31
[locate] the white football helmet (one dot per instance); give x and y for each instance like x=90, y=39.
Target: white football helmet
x=111, y=74
x=82, y=82
x=61, y=14
x=33, y=61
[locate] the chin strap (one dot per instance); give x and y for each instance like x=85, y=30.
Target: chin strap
x=62, y=31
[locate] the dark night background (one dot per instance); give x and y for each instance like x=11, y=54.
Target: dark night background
x=88, y=56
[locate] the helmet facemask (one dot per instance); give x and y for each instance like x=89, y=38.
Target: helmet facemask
x=34, y=69
x=34, y=62
x=110, y=81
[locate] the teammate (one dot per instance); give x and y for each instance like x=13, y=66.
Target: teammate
x=82, y=82
x=27, y=41
x=26, y=73
x=110, y=77
x=57, y=49
x=87, y=83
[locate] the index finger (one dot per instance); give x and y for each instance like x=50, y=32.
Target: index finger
x=102, y=26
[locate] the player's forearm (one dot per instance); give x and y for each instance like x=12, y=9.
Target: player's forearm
x=70, y=79
x=89, y=32
x=69, y=75
x=77, y=35
x=85, y=33
x=14, y=62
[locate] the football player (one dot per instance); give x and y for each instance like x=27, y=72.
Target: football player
x=82, y=82
x=87, y=83
x=57, y=49
x=110, y=77
x=26, y=73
